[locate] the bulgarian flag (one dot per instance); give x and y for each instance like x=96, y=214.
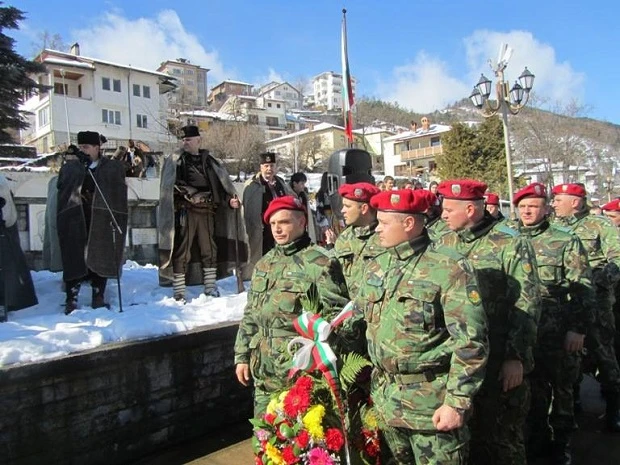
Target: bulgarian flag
x=347, y=86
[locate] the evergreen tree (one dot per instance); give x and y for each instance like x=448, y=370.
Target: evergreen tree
x=15, y=83
x=475, y=153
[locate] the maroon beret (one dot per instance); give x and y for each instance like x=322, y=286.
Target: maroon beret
x=491, y=199
x=569, y=189
x=287, y=202
x=535, y=190
x=462, y=189
x=360, y=192
x=613, y=206
x=401, y=201
x=430, y=197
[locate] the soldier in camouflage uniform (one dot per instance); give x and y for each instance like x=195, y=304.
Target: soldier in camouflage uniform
x=491, y=201
x=612, y=211
x=600, y=239
x=294, y=268
x=427, y=336
x=505, y=268
x=567, y=303
x=358, y=243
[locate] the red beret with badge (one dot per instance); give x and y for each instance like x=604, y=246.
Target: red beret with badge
x=359, y=192
x=569, y=189
x=287, y=202
x=613, y=206
x=401, y=201
x=462, y=189
x=536, y=190
x=491, y=199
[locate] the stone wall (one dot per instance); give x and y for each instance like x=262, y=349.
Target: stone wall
x=116, y=404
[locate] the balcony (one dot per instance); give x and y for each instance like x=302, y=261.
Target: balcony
x=424, y=152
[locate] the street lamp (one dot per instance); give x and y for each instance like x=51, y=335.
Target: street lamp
x=608, y=185
x=512, y=101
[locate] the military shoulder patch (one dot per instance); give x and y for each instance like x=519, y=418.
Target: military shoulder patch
x=473, y=295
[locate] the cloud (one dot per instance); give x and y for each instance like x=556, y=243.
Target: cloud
x=423, y=86
x=426, y=84
x=146, y=42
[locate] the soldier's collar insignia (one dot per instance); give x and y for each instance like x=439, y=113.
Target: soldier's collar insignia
x=474, y=296
x=564, y=188
x=456, y=189
x=358, y=192
x=394, y=199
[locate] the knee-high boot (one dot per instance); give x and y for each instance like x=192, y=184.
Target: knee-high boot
x=178, y=287
x=208, y=276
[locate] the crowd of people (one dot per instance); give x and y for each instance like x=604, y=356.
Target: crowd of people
x=479, y=327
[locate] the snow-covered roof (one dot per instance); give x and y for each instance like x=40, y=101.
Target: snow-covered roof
x=80, y=60
x=433, y=129
x=316, y=128
x=213, y=114
x=230, y=81
x=77, y=64
x=371, y=130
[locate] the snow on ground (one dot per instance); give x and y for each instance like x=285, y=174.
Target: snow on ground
x=44, y=331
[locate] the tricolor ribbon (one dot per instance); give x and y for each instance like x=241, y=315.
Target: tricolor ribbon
x=316, y=354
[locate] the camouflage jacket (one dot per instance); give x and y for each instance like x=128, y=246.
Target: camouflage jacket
x=437, y=228
x=566, y=281
x=506, y=270
x=353, y=248
x=279, y=281
x=427, y=332
x=600, y=239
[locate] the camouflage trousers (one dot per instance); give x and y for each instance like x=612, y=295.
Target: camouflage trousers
x=498, y=423
x=551, y=385
x=600, y=341
x=261, y=401
x=411, y=447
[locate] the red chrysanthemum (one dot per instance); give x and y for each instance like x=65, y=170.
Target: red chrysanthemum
x=270, y=418
x=334, y=439
x=289, y=455
x=371, y=443
x=296, y=401
x=302, y=439
x=305, y=383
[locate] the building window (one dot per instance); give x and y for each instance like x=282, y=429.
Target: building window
x=177, y=71
x=80, y=90
x=146, y=92
x=272, y=121
x=111, y=117
x=278, y=93
x=116, y=85
x=142, y=121
x=61, y=89
x=278, y=105
x=43, y=117
x=435, y=142
x=189, y=71
x=189, y=82
x=269, y=105
x=136, y=90
x=105, y=83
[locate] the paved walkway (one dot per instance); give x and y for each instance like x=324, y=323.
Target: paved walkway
x=591, y=445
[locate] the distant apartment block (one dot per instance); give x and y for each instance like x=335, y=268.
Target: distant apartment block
x=268, y=114
x=293, y=99
x=87, y=94
x=226, y=89
x=327, y=89
x=191, y=91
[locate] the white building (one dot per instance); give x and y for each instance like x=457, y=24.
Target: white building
x=327, y=89
x=268, y=114
x=88, y=94
x=293, y=99
x=191, y=80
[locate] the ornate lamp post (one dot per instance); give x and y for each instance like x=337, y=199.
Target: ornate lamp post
x=512, y=101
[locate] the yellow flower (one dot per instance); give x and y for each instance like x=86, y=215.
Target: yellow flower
x=370, y=420
x=313, y=421
x=274, y=455
x=277, y=404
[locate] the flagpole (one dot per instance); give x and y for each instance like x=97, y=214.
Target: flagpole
x=347, y=87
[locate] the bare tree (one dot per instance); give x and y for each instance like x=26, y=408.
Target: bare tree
x=312, y=153
x=46, y=39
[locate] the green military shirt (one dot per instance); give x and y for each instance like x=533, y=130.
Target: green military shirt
x=353, y=248
x=279, y=281
x=427, y=332
x=566, y=282
x=600, y=239
x=506, y=271
x=437, y=228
